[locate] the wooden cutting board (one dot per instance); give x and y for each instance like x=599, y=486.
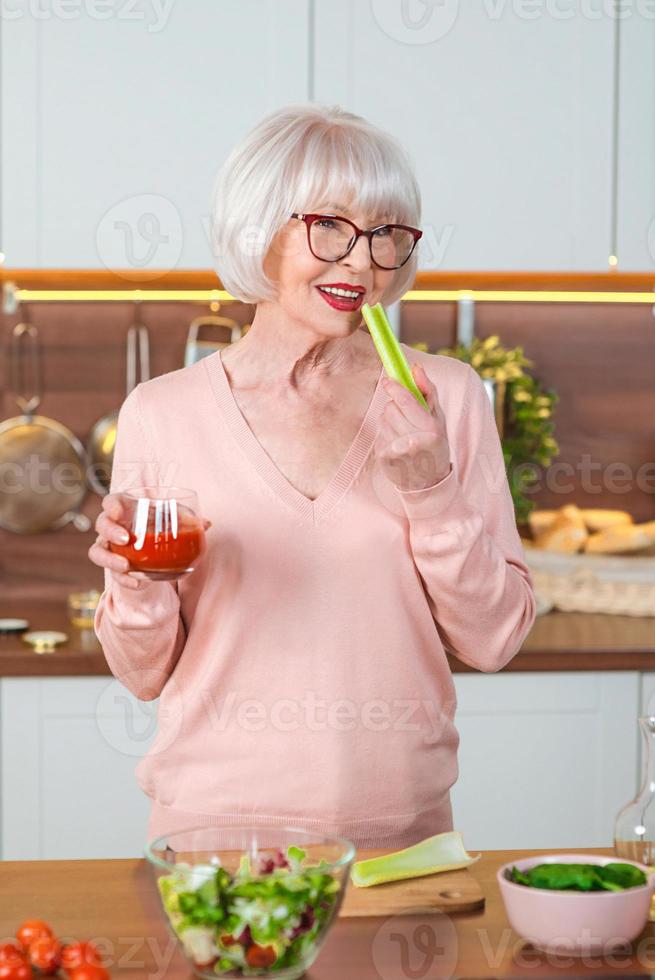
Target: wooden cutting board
x=445, y=891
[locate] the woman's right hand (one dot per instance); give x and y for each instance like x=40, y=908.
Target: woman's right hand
x=109, y=529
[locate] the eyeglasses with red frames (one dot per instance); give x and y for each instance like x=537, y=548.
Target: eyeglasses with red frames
x=331, y=237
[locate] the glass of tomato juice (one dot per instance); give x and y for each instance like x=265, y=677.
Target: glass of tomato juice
x=167, y=533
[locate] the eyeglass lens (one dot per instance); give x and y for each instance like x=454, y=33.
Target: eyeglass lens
x=330, y=240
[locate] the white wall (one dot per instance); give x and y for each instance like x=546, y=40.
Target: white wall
x=113, y=126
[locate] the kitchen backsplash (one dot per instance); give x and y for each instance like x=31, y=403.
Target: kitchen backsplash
x=599, y=358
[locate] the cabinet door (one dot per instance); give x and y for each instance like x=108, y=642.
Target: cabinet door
x=506, y=110
x=636, y=163
x=647, y=697
x=69, y=747
x=646, y=707
x=115, y=121
x=546, y=759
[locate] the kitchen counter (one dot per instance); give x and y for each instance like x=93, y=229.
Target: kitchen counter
x=115, y=904
x=558, y=641
x=81, y=655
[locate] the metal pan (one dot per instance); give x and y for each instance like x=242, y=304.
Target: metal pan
x=100, y=447
x=42, y=463
x=197, y=348
x=496, y=390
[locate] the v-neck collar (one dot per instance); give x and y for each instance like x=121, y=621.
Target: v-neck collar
x=310, y=510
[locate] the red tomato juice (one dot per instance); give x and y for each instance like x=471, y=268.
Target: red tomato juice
x=163, y=552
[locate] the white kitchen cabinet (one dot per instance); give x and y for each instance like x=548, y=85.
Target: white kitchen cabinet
x=506, y=109
x=546, y=759
x=646, y=707
x=69, y=747
x=115, y=119
x=647, y=698
x=636, y=164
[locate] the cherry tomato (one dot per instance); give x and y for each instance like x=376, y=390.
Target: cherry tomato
x=9, y=951
x=260, y=955
x=45, y=954
x=16, y=968
x=32, y=929
x=79, y=954
x=90, y=971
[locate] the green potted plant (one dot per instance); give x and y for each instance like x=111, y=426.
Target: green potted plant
x=523, y=413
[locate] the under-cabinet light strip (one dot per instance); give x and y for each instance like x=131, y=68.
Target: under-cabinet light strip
x=413, y=295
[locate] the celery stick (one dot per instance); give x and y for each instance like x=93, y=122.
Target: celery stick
x=443, y=852
x=391, y=355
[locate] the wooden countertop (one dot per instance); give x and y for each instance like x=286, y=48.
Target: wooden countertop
x=557, y=641
x=114, y=903
x=81, y=655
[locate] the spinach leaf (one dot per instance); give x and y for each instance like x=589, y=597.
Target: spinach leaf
x=580, y=877
x=624, y=875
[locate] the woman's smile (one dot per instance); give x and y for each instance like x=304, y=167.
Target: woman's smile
x=342, y=296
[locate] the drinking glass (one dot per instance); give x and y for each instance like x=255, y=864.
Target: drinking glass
x=167, y=533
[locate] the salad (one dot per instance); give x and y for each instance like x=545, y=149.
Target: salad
x=267, y=918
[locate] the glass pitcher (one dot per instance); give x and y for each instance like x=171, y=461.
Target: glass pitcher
x=634, y=830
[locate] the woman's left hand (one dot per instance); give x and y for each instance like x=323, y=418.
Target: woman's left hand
x=412, y=445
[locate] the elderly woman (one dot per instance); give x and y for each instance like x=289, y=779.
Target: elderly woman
x=355, y=537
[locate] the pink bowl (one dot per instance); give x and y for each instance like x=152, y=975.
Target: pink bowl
x=573, y=922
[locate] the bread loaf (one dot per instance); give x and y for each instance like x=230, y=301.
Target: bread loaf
x=566, y=534
x=593, y=518
x=621, y=539
x=597, y=519
x=540, y=520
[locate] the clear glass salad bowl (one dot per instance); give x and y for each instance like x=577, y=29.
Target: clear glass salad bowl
x=250, y=901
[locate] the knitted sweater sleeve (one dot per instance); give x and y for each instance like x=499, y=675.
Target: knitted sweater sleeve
x=466, y=545
x=141, y=631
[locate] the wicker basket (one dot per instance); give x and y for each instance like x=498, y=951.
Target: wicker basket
x=622, y=585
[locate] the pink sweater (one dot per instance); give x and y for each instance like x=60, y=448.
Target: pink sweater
x=301, y=668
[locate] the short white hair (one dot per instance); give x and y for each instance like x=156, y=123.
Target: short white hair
x=292, y=160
